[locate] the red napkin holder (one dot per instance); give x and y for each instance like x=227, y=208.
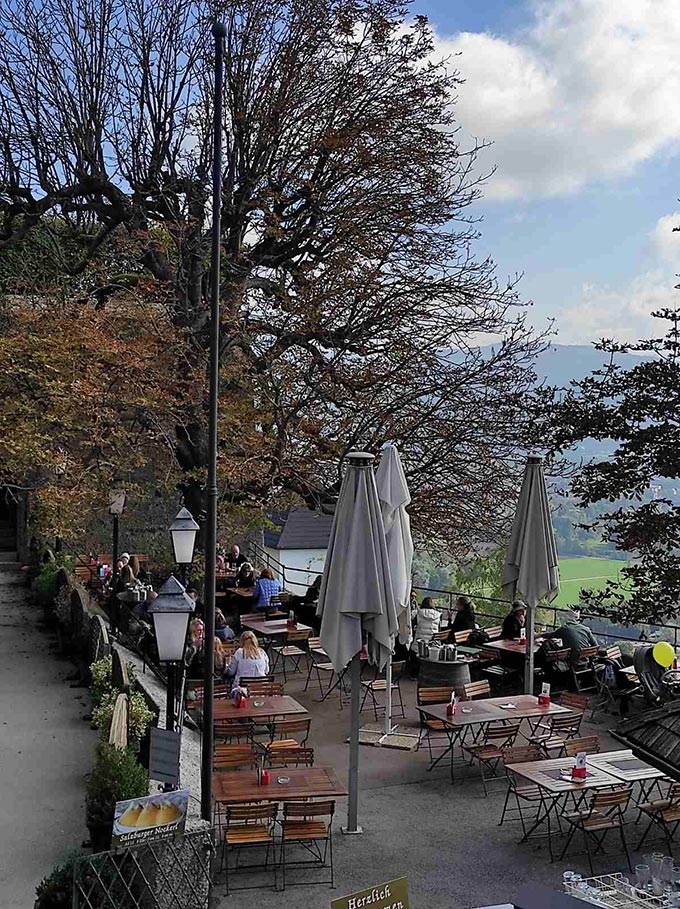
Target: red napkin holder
x=291, y=623
x=544, y=700
x=243, y=702
x=266, y=778
x=578, y=773
x=450, y=708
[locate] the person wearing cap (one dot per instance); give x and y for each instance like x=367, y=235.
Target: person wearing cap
x=514, y=622
x=574, y=634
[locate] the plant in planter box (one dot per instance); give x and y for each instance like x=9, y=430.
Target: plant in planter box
x=139, y=715
x=115, y=777
x=102, y=678
x=55, y=890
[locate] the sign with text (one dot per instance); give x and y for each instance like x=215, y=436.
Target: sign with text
x=164, y=756
x=153, y=817
x=392, y=895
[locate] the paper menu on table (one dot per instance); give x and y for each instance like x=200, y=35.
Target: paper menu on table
x=581, y=760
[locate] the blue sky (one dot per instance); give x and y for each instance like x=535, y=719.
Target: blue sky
x=581, y=99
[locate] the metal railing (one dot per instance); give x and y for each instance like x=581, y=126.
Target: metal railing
x=550, y=616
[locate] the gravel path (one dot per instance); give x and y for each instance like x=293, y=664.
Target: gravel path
x=45, y=748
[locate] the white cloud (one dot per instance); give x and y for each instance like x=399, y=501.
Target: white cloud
x=625, y=314
x=666, y=240
x=590, y=90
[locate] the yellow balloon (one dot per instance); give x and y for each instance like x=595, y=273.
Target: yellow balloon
x=663, y=654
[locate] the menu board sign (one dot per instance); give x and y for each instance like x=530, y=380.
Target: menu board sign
x=392, y=895
x=153, y=817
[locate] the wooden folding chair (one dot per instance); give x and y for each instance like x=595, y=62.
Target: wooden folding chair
x=308, y=824
x=472, y=690
x=665, y=812
x=521, y=791
x=249, y=826
x=553, y=734
x=263, y=688
x=588, y=743
x=234, y=757
x=489, y=751
x=426, y=697
x=294, y=648
x=583, y=670
x=230, y=730
x=293, y=756
x=378, y=684
x=288, y=732
x=605, y=813
x=494, y=632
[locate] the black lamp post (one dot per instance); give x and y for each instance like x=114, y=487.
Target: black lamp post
x=171, y=610
x=116, y=508
x=219, y=32
x=183, y=531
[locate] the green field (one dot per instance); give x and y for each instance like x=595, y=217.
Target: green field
x=576, y=574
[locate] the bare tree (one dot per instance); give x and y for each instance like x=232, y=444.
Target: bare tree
x=353, y=303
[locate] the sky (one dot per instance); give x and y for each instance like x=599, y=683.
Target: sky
x=581, y=102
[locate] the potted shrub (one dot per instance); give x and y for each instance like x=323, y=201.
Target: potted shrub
x=55, y=890
x=115, y=777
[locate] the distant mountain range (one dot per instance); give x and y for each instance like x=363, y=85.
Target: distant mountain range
x=565, y=363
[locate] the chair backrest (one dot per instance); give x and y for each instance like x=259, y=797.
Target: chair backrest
x=521, y=754
x=246, y=679
x=309, y=809
x=298, y=636
x=233, y=729
x=285, y=726
x=461, y=637
x=588, y=653
x=314, y=643
x=503, y=733
x=589, y=743
x=266, y=689
x=231, y=757
x=294, y=756
x=558, y=656
x=611, y=798
x=438, y=695
x=494, y=632
x=253, y=813
x=574, y=701
x=481, y=689
x=674, y=793
x=613, y=653
x=441, y=635
x=488, y=655
x=566, y=722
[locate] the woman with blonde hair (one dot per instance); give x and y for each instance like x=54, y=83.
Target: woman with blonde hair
x=249, y=660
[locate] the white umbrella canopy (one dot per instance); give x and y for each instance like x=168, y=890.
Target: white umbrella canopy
x=394, y=496
x=531, y=563
x=356, y=595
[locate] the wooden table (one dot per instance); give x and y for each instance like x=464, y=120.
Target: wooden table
x=276, y=628
x=239, y=591
x=482, y=712
x=239, y=786
x=555, y=790
x=270, y=705
x=518, y=648
x=630, y=769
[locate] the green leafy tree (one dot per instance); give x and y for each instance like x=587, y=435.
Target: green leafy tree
x=638, y=409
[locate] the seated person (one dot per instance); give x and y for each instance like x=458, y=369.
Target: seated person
x=305, y=606
x=428, y=620
x=574, y=635
x=235, y=558
x=514, y=622
x=223, y=631
x=246, y=576
x=464, y=619
x=249, y=660
x=219, y=658
x=220, y=564
x=265, y=588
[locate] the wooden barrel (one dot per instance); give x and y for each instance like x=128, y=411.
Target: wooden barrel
x=434, y=673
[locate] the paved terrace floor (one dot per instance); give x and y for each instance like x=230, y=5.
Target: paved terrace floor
x=444, y=838
x=45, y=749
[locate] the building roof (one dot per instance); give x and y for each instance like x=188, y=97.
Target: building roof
x=299, y=528
x=654, y=737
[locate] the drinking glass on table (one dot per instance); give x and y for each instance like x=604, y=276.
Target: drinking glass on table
x=641, y=876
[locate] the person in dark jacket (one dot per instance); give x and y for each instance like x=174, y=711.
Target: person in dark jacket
x=463, y=620
x=514, y=622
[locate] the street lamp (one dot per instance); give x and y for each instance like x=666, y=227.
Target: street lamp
x=183, y=531
x=171, y=610
x=116, y=507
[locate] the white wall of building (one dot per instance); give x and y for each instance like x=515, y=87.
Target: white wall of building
x=302, y=566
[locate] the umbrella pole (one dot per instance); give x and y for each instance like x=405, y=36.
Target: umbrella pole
x=388, y=697
x=529, y=659
x=353, y=787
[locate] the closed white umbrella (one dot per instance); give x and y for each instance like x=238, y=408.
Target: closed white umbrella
x=394, y=496
x=356, y=595
x=531, y=563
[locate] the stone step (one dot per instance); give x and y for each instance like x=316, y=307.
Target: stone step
x=9, y=558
